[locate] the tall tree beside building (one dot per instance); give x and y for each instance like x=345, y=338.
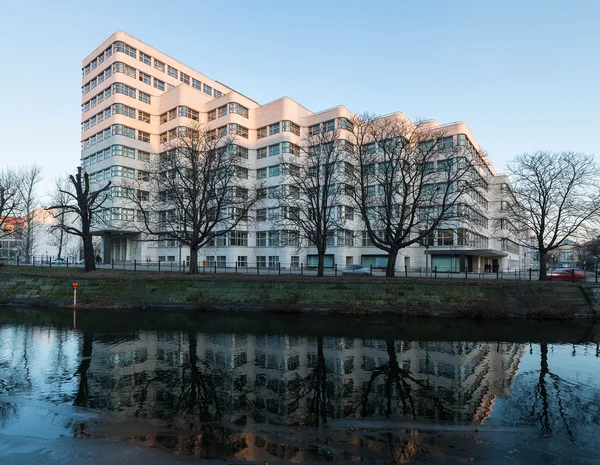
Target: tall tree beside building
x=200, y=183
x=58, y=237
x=558, y=199
x=9, y=196
x=29, y=178
x=410, y=182
x=75, y=196
x=310, y=199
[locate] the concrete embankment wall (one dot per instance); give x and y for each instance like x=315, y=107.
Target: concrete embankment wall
x=467, y=298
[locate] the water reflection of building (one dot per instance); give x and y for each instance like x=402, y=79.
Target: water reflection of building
x=245, y=380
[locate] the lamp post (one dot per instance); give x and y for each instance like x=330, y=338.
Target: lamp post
x=524, y=258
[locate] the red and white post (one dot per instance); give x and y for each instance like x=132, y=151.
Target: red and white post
x=74, y=306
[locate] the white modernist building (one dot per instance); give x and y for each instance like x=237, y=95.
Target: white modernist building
x=133, y=100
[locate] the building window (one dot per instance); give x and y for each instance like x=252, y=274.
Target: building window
x=184, y=78
x=238, y=238
x=160, y=85
x=288, y=147
x=207, y=89
x=273, y=261
x=345, y=237
x=196, y=84
x=218, y=93
x=143, y=136
x=242, y=261
x=289, y=126
x=239, y=130
x=241, y=172
x=212, y=115
x=119, y=67
x=222, y=111
x=143, y=116
x=345, y=123
x=261, y=153
x=261, y=214
x=159, y=65
x=146, y=59
x=239, y=151
x=238, y=109
x=273, y=171
x=445, y=237
x=145, y=78
x=261, y=239
x=261, y=173
x=144, y=97
x=121, y=88
x=261, y=132
x=274, y=129
x=189, y=113
x=122, y=171
x=329, y=125
x=261, y=262
x=173, y=72
x=273, y=150
x=143, y=156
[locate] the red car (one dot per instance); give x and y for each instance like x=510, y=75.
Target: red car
x=566, y=274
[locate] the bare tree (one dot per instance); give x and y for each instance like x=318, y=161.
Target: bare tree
x=85, y=204
x=409, y=181
x=558, y=199
x=312, y=192
x=29, y=178
x=200, y=183
x=58, y=236
x=9, y=198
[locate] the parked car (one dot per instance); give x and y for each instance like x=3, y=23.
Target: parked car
x=566, y=274
x=59, y=261
x=356, y=270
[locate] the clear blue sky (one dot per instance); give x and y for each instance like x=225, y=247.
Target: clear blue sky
x=523, y=75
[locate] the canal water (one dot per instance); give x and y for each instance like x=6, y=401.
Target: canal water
x=271, y=388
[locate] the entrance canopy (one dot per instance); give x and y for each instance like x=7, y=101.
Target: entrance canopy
x=475, y=252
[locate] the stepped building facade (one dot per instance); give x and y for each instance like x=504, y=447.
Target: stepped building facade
x=134, y=99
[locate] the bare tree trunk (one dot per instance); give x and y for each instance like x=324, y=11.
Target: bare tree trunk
x=390, y=270
x=60, y=242
x=543, y=260
x=320, y=264
x=88, y=252
x=193, y=260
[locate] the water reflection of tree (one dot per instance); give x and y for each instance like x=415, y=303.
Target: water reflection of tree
x=316, y=389
x=198, y=394
x=553, y=403
x=81, y=398
x=400, y=388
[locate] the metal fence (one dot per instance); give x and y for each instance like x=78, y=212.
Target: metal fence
x=277, y=268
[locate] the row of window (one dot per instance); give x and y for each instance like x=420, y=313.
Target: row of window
x=183, y=111
x=276, y=128
x=115, y=109
x=173, y=72
x=276, y=149
x=231, y=128
x=115, y=151
x=232, y=107
x=119, y=171
x=129, y=193
x=116, y=88
x=115, y=130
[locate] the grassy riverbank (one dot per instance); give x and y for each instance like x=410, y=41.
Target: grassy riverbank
x=114, y=289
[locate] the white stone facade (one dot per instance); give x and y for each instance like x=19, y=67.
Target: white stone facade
x=134, y=95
